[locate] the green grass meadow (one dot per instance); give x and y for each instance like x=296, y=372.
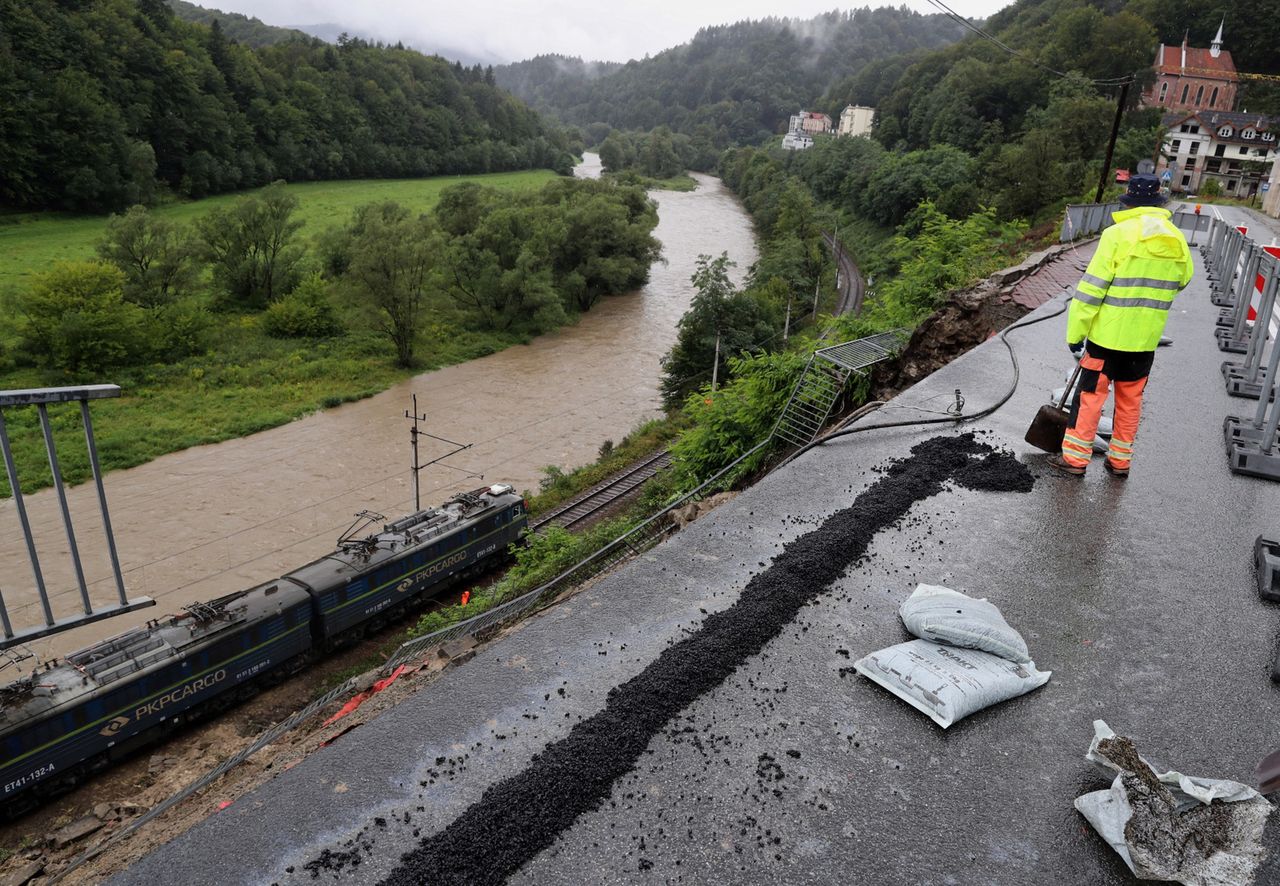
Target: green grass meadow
x=245, y=381
x=29, y=243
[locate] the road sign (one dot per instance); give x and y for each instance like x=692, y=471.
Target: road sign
x=1167, y=177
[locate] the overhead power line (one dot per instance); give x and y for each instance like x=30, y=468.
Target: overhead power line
x=1016, y=53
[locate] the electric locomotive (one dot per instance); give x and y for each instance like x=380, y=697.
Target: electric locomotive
x=75, y=716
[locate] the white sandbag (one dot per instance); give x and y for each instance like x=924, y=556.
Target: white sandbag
x=942, y=615
x=1167, y=828
x=948, y=683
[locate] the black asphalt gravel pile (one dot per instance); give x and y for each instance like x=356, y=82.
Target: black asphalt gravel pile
x=518, y=818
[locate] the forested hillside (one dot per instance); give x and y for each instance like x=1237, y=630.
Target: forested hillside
x=241, y=28
x=732, y=83
x=102, y=102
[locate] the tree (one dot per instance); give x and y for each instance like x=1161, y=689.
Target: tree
x=75, y=319
x=395, y=265
x=501, y=273
x=720, y=319
x=250, y=246
x=155, y=255
x=613, y=153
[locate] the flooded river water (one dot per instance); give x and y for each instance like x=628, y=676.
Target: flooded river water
x=214, y=519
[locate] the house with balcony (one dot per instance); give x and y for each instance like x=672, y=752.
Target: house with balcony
x=811, y=123
x=1235, y=148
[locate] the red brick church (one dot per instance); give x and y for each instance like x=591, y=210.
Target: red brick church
x=1193, y=79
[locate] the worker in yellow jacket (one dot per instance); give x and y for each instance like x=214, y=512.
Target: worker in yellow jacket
x=1120, y=308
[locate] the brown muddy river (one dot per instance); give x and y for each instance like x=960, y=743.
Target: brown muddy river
x=214, y=519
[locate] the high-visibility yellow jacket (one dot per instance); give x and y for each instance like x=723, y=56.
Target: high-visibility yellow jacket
x=1123, y=300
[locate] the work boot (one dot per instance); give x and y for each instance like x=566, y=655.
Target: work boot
x=1060, y=464
x=1119, y=473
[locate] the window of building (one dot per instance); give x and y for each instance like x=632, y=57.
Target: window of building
x=1186, y=181
x=1195, y=148
x=1268, y=136
x=1199, y=96
x=1175, y=145
x=1226, y=132
x=1248, y=133
x=1164, y=90
x=1244, y=151
x=1185, y=89
x=1219, y=150
x=1231, y=185
x=1194, y=128
x=1213, y=97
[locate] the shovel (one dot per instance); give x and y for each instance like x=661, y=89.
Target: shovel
x=1051, y=422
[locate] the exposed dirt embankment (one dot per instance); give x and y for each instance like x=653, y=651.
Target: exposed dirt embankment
x=968, y=317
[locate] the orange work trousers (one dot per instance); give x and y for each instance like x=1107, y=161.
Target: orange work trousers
x=1100, y=368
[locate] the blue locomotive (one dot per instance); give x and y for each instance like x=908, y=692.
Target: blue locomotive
x=77, y=715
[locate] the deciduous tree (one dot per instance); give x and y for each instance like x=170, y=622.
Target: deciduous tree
x=155, y=255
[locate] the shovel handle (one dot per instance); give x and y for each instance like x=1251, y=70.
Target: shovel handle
x=1066, y=392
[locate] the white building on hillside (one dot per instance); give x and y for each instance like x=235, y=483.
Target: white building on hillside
x=856, y=120
x=795, y=140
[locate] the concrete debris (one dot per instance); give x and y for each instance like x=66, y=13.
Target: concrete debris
x=77, y=830
x=25, y=874
x=460, y=650
x=682, y=517
x=1174, y=827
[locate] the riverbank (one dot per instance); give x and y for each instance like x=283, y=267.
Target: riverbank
x=212, y=519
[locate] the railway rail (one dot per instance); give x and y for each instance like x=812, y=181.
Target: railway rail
x=603, y=494
x=852, y=286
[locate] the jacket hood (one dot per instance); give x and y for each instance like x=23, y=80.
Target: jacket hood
x=1155, y=230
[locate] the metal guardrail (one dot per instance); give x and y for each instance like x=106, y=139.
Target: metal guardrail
x=1087, y=219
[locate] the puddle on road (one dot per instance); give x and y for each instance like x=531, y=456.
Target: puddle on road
x=214, y=519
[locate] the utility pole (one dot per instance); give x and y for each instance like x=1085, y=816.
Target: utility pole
x=816, y=285
x=414, y=434
x=715, y=367
x=786, y=325
x=1111, y=145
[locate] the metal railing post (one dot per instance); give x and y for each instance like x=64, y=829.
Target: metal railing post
x=40, y=398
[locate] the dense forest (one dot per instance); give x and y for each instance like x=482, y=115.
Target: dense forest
x=103, y=102
x=241, y=28
x=730, y=84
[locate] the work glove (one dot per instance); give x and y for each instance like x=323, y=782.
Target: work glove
x=1077, y=349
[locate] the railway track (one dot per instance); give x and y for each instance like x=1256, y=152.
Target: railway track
x=852, y=286
x=603, y=494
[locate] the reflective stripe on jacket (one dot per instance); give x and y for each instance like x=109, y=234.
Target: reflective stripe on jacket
x=1123, y=300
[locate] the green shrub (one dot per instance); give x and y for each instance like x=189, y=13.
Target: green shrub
x=75, y=319
x=179, y=330
x=306, y=312
x=1210, y=187
x=734, y=419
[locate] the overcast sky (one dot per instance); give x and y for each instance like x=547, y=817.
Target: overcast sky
x=510, y=30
